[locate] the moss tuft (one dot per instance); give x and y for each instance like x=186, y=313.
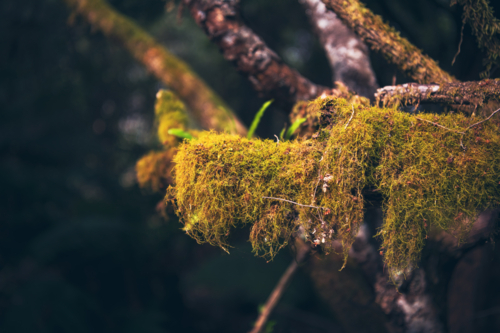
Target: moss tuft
x=170, y=113
x=423, y=174
x=154, y=170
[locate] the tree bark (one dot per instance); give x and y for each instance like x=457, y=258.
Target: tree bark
x=347, y=54
x=269, y=75
x=474, y=93
x=383, y=38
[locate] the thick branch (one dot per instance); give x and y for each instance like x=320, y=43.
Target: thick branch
x=269, y=75
x=347, y=54
x=474, y=93
x=207, y=107
x=381, y=37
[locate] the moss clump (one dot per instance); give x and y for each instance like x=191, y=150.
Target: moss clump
x=170, y=113
x=154, y=170
x=424, y=175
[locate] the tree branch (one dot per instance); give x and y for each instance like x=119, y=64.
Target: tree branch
x=207, y=107
x=347, y=54
x=272, y=301
x=269, y=75
x=381, y=37
x=475, y=93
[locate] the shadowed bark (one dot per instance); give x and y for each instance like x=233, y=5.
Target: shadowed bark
x=207, y=107
x=269, y=75
x=347, y=54
x=364, y=298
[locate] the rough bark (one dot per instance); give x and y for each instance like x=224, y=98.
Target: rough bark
x=383, y=38
x=206, y=106
x=475, y=93
x=269, y=75
x=347, y=54
x=365, y=299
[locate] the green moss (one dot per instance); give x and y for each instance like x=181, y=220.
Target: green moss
x=170, y=113
x=424, y=175
x=385, y=39
x=153, y=170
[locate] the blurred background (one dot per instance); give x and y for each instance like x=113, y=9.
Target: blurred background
x=82, y=248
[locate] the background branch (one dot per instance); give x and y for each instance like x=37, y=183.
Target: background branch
x=206, y=106
x=347, y=54
x=269, y=75
x=383, y=38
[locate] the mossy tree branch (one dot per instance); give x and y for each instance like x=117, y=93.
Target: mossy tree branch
x=206, y=106
x=347, y=54
x=385, y=39
x=269, y=75
x=475, y=93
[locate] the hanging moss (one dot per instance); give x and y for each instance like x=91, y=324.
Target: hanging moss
x=421, y=170
x=486, y=28
x=154, y=170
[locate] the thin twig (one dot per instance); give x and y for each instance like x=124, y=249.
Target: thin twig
x=275, y=296
x=436, y=124
x=463, y=133
x=295, y=203
x=352, y=115
x=482, y=121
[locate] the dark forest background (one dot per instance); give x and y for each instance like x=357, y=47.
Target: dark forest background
x=82, y=247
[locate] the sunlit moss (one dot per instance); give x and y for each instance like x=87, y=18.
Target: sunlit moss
x=424, y=175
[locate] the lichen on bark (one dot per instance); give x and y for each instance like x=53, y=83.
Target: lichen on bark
x=320, y=186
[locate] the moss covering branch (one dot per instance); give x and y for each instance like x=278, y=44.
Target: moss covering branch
x=486, y=27
x=154, y=170
x=475, y=93
x=385, y=39
x=207, y=107
x=425, y=177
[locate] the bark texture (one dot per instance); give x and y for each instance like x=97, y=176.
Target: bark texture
x=365, y=299
x=475, y=93
x=269, y=75
x=383, y=38
x=206, y=106
x=347, y=54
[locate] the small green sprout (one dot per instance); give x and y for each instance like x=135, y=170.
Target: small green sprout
x=180, y=133
x=256, y=119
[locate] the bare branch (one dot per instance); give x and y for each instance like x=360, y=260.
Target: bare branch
x=347, y=54
x=381, y=37
x=269, y=75
x=207, y=107
x=276, y=294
